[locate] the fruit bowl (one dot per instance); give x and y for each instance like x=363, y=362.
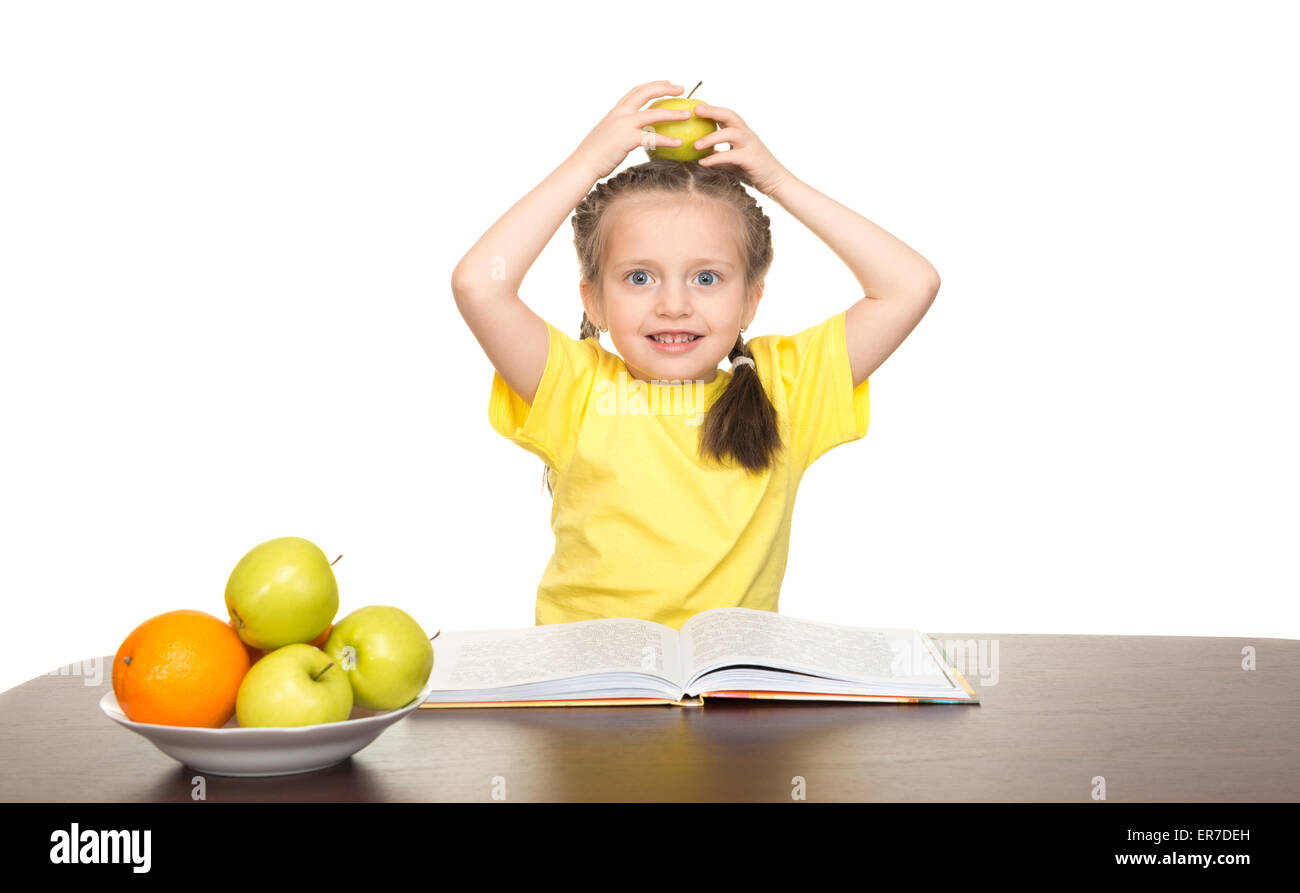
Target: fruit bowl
x=248, y=753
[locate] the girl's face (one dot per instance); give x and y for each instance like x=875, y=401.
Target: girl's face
x=672, y=264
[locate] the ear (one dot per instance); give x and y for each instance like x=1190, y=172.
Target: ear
x=754, y=297
x=588, y=292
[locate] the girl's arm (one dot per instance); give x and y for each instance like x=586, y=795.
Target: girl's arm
x=486, y=282
x=899, y=285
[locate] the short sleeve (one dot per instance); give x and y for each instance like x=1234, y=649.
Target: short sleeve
x=548, y=427
x=812, y=368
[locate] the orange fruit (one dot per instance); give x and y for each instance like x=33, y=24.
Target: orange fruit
x=319, y=641
x=181, y=668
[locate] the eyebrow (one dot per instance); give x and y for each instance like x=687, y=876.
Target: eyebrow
x=646, y=262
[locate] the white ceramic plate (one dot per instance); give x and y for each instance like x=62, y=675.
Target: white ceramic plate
x=231, y=750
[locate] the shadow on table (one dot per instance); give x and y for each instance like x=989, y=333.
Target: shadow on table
x=348, y=781
x=724, y=751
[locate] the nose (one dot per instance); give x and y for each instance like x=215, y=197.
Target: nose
x=674, y=301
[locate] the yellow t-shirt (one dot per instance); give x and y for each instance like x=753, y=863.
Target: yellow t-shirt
x=644, y=526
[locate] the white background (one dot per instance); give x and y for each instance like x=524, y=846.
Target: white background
x=227, y=232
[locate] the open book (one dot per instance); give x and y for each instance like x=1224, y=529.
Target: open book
x=719, y=653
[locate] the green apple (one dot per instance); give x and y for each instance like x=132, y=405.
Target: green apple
x=385, y=654
x=688, y=131
x=282, y=592
x=297, y=685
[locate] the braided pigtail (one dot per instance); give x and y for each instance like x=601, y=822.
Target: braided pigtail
x=741, y=424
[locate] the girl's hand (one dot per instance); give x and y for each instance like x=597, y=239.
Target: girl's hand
x=747, y=151
x=620, y=131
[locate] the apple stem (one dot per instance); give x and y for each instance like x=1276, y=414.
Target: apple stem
x=335, y=561
x=435, y=635
x=322, y=672
x=693, y=89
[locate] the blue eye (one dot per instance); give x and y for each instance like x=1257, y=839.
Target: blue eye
x=712, y=280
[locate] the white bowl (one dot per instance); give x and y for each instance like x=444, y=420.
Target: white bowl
x=232, y=750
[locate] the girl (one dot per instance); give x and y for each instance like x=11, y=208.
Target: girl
x=673, y=482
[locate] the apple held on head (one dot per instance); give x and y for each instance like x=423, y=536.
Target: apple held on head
x=296, y=685
x=385, y=654
x=688, y=131
x=281, y=593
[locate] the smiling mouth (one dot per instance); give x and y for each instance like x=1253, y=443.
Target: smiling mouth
x=670, y=348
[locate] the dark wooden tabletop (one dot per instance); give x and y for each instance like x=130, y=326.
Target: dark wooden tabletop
x=1172, y=719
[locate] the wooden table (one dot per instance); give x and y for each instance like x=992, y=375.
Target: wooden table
x=1160, y=718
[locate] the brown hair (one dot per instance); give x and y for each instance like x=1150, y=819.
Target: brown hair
x=741, y=424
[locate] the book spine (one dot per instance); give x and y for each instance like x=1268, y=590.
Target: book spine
x=794, y=696
x=574, y=702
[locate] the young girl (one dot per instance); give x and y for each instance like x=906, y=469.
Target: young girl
x=673, y=482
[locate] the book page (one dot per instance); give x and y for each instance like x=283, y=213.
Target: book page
x=729, y=636
x=493, y=658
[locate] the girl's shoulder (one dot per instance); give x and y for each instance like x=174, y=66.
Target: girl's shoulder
x=785, y=358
